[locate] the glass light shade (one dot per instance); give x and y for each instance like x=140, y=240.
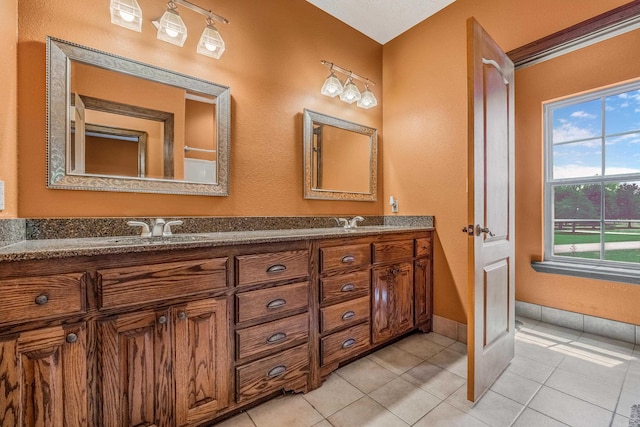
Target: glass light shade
x=211, y=44
x=171, y=28
x=350, y=92
x=332, y=86
x=367, y=100
x=127, y=14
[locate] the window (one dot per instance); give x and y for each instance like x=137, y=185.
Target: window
x=592, y=184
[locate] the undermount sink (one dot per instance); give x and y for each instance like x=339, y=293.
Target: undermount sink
x=138, y=240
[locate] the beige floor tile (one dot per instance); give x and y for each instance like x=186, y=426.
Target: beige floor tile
x=365, y=412
x=365, y=374
x=540, y=352
x=395, y=359
x=607, y=346
x=569, y=410
x=434, y=379
x=334, y=394
x=445, y=415
x=600, y=393
x=452, y=361
x=241, y=420
x=531, y=418
x=459, y=347
x=559, y=332
x=527, y=322
x=405, y=400
x=530, y=369
x=439, y=339
x=323, y=423
x=630, y=395
x=285, y=411
x=493, y=408
x=419, y=345
x=515, y=387
x=620, y=421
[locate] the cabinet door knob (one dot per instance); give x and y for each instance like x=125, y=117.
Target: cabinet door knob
x=349, y=343
x=276, y=303
x=71, y=338
x=277, y=337
x=162, y=320
x=348, y=315
x=42, y=299
x=277, y=268
x=182, y=315
x=347, y=287
x=348, y=259
x=277, y=371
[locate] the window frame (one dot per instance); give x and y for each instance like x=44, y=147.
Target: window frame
x=584, y=267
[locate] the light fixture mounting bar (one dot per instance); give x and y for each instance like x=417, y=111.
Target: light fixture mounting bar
x=201, y=10
x=353, y=75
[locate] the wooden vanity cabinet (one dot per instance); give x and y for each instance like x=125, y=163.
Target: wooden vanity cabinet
x=423, y=279
x=392, y=304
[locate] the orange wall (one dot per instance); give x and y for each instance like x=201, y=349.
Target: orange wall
x=8, y=106
x=425, y=122
x=606, y=63
x=272, y=64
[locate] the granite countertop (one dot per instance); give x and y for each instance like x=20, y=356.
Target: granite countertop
x=63, y=248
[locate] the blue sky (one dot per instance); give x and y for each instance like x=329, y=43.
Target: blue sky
x=583, y=123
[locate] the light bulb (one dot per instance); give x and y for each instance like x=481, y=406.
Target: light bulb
x=126, y=16
x=210, y=47
x=171, y=32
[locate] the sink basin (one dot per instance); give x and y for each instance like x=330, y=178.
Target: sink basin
x=137, y=240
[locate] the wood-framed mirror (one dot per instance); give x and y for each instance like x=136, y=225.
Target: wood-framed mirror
x=181, y=123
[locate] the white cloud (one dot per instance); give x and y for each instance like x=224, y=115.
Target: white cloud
x=583, y=115
x=575, y=171
x=569, y=132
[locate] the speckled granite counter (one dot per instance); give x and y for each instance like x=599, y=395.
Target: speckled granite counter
x=63, y=248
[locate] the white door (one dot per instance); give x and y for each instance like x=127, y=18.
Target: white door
x=491, y=323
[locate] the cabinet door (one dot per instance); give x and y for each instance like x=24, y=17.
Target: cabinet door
x=135, y=370
x=202, y=361
x=392, y=301
x=423, y=294
x=43, y=378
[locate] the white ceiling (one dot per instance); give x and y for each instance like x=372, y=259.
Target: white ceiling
x=381, y=20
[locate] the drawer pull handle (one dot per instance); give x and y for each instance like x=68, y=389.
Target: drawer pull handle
x=348, y=287
x=348, y=315
x=42, y=299
x=277, y=337
x=276, y=303
x=277, y=371
x=162, y=320
x=71, y=338
x=182, y=315
x=348, y=259
x=277, y=268
x=349, y=343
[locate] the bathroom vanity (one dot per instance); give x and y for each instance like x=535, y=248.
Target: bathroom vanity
x=183, y=331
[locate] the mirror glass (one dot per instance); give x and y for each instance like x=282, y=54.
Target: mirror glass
x=119, y=125
x=340, y=158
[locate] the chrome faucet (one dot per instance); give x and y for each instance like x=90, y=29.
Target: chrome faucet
x=145, y=232
x=159, y=227
x=342, y=222
x=166, y=230
x=353, y=222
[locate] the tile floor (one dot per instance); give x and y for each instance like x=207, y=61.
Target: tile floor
x=559, y=377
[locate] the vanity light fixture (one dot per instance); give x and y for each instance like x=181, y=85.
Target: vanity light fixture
x=348, y=92
x=170, y=26
x=127, y=14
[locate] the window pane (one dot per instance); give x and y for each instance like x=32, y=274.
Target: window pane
x=577, y=201
x=578, y=121
x=622, y=154
x=577, y=159
x=622, y=200
x=623, y=112
x=622, y=241
x=577, y=239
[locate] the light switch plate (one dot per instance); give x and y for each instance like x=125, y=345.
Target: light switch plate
x=1, y=195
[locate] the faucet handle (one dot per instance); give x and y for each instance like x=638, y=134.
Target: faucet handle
x=145, y=232
x=166, y=231
x=355, y=220
x=342, y=222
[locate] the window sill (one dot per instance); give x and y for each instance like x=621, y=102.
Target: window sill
x=611, y=274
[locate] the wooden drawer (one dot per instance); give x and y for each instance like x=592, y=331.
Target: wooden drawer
x=337, y=257
x=272, y=373
x=267, y=302
x=344, y=344
x=270, y=267
x=423, y=247
x=272, y=336
x=392, y=251
x=344, y=286
x=42, y=297
x=349, y=313
x=126, y=286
